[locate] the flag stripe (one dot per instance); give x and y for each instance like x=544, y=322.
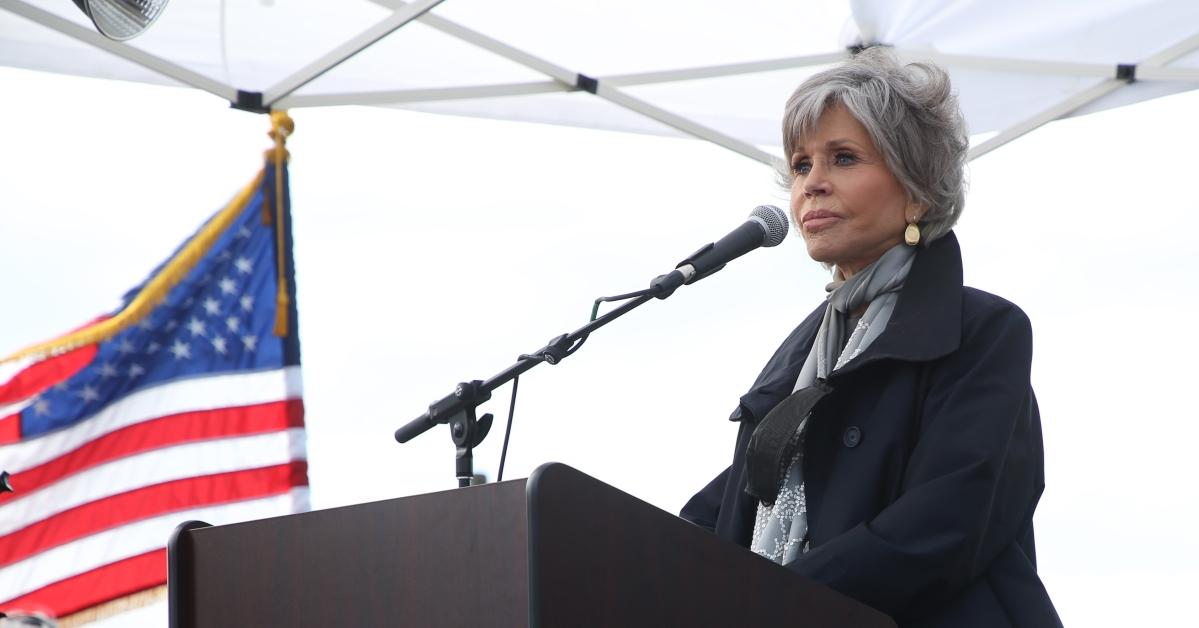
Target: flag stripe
x=153, y=467
x=164, y=432
x=188, y=395
x=111, y=581
x=15, y=407
x=98, y=550
x=151, y=501
x=42, y=375
x=10, y=429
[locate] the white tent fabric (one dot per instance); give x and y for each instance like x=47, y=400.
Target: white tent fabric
x=715, y=70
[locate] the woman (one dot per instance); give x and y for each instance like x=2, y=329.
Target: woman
x=891, y=448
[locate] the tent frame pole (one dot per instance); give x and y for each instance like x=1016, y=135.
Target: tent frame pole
x=1084, y=97
x=467, y=92
x=342, y=53
x=120, y=49
x=576, y=81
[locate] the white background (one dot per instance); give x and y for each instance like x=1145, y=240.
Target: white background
x=432, y=250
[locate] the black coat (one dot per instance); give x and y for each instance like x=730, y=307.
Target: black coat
x=924, y=464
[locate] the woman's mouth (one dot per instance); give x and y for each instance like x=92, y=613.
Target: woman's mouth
x=818, y=220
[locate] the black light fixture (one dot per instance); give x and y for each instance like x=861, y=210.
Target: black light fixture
x=121, y=19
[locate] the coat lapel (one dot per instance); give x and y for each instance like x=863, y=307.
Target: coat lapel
x=926, y=325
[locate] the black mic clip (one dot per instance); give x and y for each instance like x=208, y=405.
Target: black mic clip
x=663, y=286
x=693, y=259
x=556, y=350
x=466, y=430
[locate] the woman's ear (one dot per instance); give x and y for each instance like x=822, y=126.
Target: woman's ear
x=914, y=212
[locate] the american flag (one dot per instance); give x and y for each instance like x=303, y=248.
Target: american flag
x=184, y=404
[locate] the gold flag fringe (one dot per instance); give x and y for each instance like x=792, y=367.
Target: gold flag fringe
x=115, y=607
x=157, y=288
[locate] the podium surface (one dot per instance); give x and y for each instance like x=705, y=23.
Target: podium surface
x=560, y=549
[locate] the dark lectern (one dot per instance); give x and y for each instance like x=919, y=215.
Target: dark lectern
x=559, y=550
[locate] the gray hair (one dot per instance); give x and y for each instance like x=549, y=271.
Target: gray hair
x=912, y=115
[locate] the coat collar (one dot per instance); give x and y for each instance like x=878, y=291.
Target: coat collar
x=926, y=325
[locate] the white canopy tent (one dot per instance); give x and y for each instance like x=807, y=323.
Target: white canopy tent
x=385, y=331
x=713, y=70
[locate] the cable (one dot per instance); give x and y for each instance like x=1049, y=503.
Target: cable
x=619, y=297
x=508, y=430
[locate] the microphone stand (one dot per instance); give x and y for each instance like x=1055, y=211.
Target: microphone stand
x=459, y=407
x=767, y=226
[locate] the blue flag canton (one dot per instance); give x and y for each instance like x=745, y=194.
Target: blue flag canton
x=219, y=319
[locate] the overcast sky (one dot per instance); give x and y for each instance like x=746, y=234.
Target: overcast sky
x=433, y=249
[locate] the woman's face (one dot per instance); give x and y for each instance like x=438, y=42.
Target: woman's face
x=849, y=206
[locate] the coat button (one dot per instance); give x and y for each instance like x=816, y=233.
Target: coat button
x=852, y=436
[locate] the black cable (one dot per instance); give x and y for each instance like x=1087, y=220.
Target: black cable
x=499, y=477
x=619, y=297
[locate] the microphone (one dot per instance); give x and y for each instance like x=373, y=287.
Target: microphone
x=766, y=226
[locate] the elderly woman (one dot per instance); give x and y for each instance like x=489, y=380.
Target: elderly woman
x=891, y=448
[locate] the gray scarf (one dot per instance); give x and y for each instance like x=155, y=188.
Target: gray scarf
x=877, y=285
x=781, y=527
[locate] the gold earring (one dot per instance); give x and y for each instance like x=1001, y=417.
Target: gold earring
x=911, y=235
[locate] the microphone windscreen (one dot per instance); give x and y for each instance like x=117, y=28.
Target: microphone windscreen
x=773, y=221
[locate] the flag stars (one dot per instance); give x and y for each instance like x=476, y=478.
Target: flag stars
x=41, y=407
x=243, y=265
x=172, y=324
x=89, y=393
x=250, y=342
x=224, y=256
x=218, y=345
x=227, y=285
x=232, y=324
x=145, y=324
x=135, y=370
x=197, y=327
x=152, y=348
x=107, y=370
x=212, y=306
x=243, y=232
x=247, y=303
x=125, y=347
x=180, y=350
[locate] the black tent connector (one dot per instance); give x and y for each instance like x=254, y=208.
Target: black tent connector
x=586, y=83
x=1126, y=72
x=249, y=101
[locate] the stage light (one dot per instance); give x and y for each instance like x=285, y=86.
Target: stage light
x=121, y=19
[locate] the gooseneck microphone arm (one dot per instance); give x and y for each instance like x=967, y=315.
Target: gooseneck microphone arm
x=468, y=394
x=460, y=407
x=767, y=226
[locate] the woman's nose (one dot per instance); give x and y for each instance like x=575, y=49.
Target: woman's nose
x=816, y=183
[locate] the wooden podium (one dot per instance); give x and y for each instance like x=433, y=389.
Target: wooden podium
x=558, y=550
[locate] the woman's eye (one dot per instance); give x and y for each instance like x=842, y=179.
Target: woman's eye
x=801, y=167
x=845, y=159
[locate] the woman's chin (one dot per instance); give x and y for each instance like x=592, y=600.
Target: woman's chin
x=820, y=251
